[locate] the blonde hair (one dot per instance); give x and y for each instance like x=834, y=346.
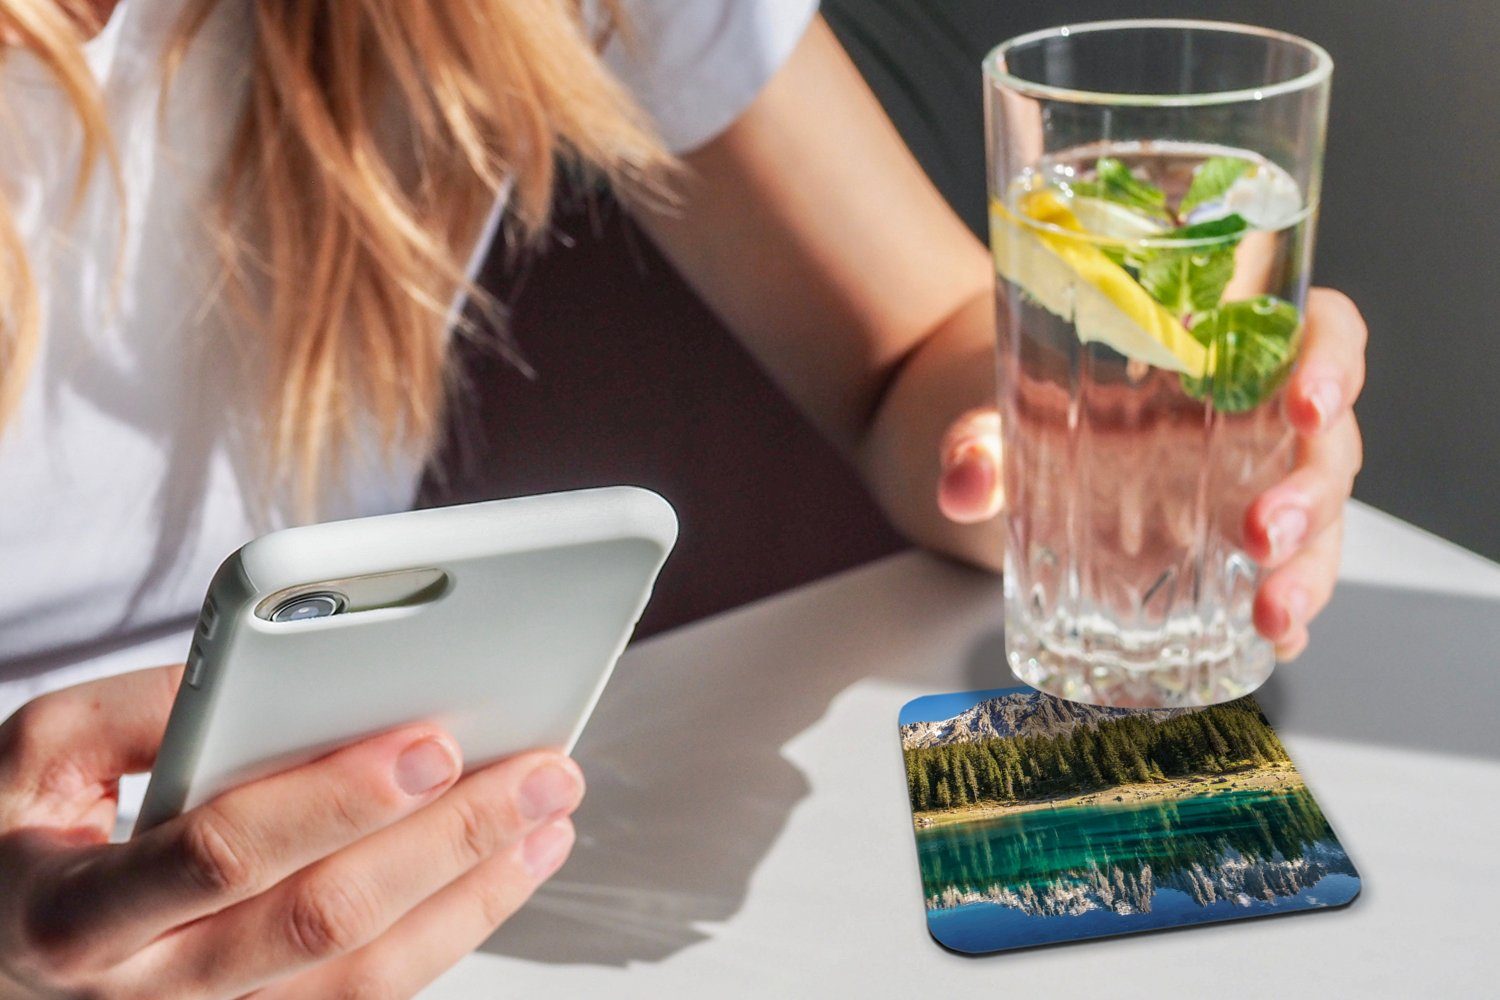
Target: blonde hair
x=345, y=256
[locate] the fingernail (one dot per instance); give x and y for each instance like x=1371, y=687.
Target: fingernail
x=424, y=765
x=971, y=471
x=971, y=479
x=545, y=850
x=549, y=790
x=969, y=453
x=1286, y=530
x=1325, y=395
x=1296, y=604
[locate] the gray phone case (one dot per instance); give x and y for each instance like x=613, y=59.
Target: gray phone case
x=509, y=650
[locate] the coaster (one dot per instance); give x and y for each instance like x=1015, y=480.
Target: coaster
x=1040, y=820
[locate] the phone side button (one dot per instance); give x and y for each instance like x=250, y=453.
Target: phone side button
x=194, y=673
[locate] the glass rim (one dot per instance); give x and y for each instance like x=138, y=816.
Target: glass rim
x=1319, y=73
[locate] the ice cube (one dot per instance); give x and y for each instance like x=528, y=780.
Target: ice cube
x=1265, y=196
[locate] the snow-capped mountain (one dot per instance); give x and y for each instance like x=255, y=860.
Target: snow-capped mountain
x=1024, y=713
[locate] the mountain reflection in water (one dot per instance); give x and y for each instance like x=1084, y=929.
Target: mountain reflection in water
x=1109, y=868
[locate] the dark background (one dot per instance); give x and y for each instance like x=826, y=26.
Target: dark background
x=636, y=382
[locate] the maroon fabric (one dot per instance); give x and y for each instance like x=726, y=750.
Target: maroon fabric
x=637, y=382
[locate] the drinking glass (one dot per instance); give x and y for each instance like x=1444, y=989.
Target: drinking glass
x=1153, y=188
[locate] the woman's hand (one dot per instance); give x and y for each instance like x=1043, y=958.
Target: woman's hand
x=1296, y=528
x=375, y=865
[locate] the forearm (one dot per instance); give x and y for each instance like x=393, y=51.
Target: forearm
x=949, y=373
x=816, y=237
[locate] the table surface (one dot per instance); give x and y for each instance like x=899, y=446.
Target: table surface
x=746, y=831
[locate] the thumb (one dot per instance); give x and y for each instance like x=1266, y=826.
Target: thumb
x=970, y=487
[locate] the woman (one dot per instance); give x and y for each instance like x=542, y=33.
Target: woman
x=233, y=239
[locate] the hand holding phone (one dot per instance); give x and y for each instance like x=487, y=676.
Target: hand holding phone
x=373, y=862
x=498, y=621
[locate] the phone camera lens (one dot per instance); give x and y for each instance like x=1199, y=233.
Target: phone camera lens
x=305, y=606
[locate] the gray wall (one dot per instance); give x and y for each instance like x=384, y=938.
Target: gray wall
x=1411, y=199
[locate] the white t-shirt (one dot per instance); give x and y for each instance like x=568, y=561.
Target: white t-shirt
x=124, y=480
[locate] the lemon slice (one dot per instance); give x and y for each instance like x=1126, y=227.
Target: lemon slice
x=1075, y=280
x=1106, y=218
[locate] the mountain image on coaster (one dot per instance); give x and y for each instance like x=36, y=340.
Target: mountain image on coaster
x=1040, y=820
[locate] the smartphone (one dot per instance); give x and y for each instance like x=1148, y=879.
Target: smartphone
x=500, y=621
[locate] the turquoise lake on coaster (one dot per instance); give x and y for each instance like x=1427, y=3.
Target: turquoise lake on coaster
x=1040, y=820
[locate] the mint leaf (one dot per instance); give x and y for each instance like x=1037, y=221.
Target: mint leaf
x=1192, y=279
x=1114, y=182
x=1187, y=285
x=1250, y=349
x=1211, y=180
x=1215, y=229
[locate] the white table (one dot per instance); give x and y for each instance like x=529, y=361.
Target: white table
x=746, y=830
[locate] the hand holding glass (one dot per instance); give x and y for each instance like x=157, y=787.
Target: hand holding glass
x=1153, y=186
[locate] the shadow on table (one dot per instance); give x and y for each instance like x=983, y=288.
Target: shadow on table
x=688, y=787
x=1396, y=667
x=689, y=790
